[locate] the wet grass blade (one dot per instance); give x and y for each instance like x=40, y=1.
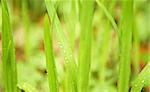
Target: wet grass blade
x=8, y=56
x=71, y=80
x=125, y=45
x=142, y=79
x=50, y=57
x=84, y=55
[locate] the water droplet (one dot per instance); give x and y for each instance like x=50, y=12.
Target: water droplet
x=135, y=85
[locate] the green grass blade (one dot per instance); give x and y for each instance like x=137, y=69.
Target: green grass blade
x=25, y=87
x=50, y=57
x=136, y=48
x=104, y=53
x=109, y=16
x=84, y=56
x=142, y=79
x=71, y=21
x=71, y=83
x=8, y=56
x=105, y=45
x=125, y=45
x=26, y=25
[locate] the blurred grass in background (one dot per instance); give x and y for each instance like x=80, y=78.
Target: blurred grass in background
x=105, y=48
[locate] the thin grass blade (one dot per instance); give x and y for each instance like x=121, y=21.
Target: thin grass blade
x=125, y=45
x=71, y=80
x=8, y=55
x=136, y=47
x=50, y=57
x=85, y=44
x=142, y=79
x=26, y=25
x=109, y=16
x=105, y=45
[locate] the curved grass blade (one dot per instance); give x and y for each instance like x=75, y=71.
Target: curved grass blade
x=84, y=55
x=8, y=56
x=50, y=57
x=125, y=45
x=108, y=15
x=142, y=79
x=71, y=80
x=104, y=48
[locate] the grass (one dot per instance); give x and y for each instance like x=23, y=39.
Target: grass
x=71, y=70
x=84, y=56
x=25, y=87
x=50, y=57
x=105, y=43
x=109, y=16
x=142, y=80
x=136, y=46
x=125, y=45
x=0, y=20
x=71, y=20
x=95, y=42
x=104, y=53
x=8, y=56
x=26, y=25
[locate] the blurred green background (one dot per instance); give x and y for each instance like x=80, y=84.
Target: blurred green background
x=30, y=55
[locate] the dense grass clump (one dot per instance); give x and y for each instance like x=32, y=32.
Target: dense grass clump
x=86, y=46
